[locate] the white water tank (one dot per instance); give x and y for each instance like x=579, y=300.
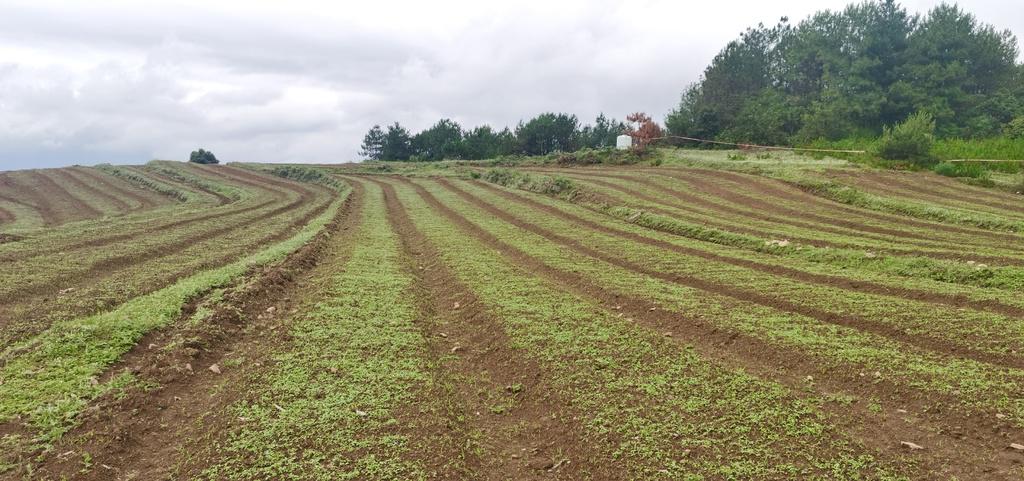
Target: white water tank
x=623, y=142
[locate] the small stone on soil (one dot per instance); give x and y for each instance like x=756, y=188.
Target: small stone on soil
x=910, y=445
x=456, y=305
x=1017, y=447
x=214, y=369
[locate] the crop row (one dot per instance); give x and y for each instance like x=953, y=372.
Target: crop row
x=870, y=368
x=898, y=260
x=51, y=376
x=770, y=214
x=72, y=270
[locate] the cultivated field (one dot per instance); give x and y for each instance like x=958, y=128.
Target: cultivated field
x=701, y=319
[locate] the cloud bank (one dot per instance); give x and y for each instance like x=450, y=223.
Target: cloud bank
x=125, y=82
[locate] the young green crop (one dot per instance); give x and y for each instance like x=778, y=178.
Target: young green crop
x=49, y=378
x=354, y=359
x=662, y=411
x=834, y=348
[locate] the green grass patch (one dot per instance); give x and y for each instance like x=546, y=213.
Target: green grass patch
x=49, y=378
x=643, y=398
x=326, y=410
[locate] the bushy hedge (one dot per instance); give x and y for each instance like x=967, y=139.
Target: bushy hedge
x=911, y=140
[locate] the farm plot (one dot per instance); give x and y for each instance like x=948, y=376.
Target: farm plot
x=91, y=266
x=537, y=324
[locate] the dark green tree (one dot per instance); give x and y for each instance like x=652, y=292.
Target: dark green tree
x=481, y=143
x=441, y=141
x=397, y=143
x=602, y=133
x=548, y=132
x=203, y=157
x=373, y=144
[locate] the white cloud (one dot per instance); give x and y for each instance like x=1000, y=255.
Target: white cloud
x=301, y=81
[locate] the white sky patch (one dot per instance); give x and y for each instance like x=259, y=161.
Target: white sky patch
x=302, y=81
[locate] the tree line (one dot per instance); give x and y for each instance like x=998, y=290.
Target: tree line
x=850, y=74
x=446, y=139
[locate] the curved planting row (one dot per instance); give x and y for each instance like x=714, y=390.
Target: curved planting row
x=73, y=271
x=53, y=369
x=935, y=189
x=871, y=366
x=735, y=198
x=639, y=299
x=453, y=329
x=60, y=196
x=669, y=201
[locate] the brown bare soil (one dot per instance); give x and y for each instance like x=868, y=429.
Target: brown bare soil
x=944, y=249
x=69, y=177
x=524, y=442
x=922, y=188
x=121, y=190
x=14, y=191
x=72, y=207
x=774, y=269
x=974, y=449
x=173, y=422
x=797, y=194
x=138, y=435
x=195, y=187
x=745, y=295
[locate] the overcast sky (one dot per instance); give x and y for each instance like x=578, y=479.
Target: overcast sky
x=295, y=81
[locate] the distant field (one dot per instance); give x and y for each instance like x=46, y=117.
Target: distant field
x=706, y=318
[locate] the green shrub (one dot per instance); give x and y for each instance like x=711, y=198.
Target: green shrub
x=203, y=157
x=995, y=148
x=305, y=174
x=961, y=169
x=1015, y=128
x=911, y=140
x=541, y=184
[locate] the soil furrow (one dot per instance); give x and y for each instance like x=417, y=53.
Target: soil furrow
x=150, y=228
x=38, y=201
x=195, y=187
x=114, y=263
x=110, y=266
x=901, y=188
x=959, y=301
x=751, y=213
x=222, y=176
x=971, y=450
x=143, y=432
x=69, y=176
x=755, y=297
x=785, y=215
x=110, y=184
x=944, y=249
x=519, y=442
x=744, y=183
x=80, y=208
x=260, y=179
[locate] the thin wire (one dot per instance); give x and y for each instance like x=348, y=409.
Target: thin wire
x=769, y=147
